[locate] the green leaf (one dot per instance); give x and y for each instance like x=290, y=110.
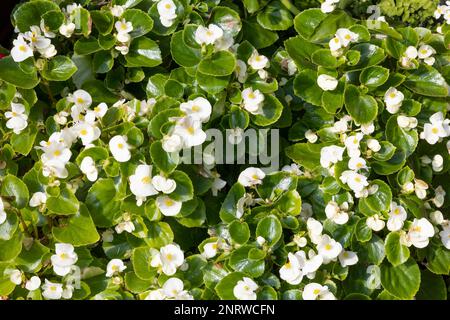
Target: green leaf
x=78, y=230
x=141, y=21
x=141, y=258
x=229, y=208
x=102, y=62
x=64, y=204
x=271, y=112
x=323, y=57
x=221, y=63
x=102, y=203
x=159, y=234
x=363, y=108
x=184, y=190
x=9, y=249
x=405, y=140
x=396, y=252
x=211, y=84
x=53, y=19
x=306, y=87
x=370, y=55
x=164, y=161
x=23, y=143
x=9, y=226
x=270, y=229
x=275, y=17
x=227, y=19
x=30, y=13
x=257, y=35
x=226, y=285
x=103, y=21
x=300, y=50
x=432, y=287
x=31, y=258
x=59, y=68
x=240, y=261
x=374, y=76
x=378, y=202
x=427, y=81
x=82, y=21
x=144, y=52
x=13, y=74
x=86, y=46
x=239, y=231
x=306, y=154
x=14, y=187
x=183, y=54
x=402, y=281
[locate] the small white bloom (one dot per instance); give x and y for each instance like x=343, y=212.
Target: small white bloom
x=411, y=52
x=357, y=182
x=252, y=100
x=168, y=259
x=125, y=225
x=3, y=215
x=33, y=284
x=210, y=249
x=67, y=29
x=420, y=232
x=434, y=130
x=375, y=223
x=168, y=206
x=108, y=235
x=241, y=71
x=199, y=108
x=315, y=291
x=117, y=10
x=357, y=163
x=348, y=258
x=190, y=130
x=245, y=289
x=257, y=61
x=120, y=148
x=439, y=196
x=38, y=199
x=208, y=35
x=328, y=248
x=420, y=188
x=15, y=276
x=311, y=136
x=81, y=99
x=64, y=258
x=437, y=163
x=164, y=184
x=367, y=128
x=87, y=132
x=52, y=291
x=123, y=26
x=330, y=155
x=327, y=6
x=172, y=143
x=327, y=82
x=373, y=145
x=114, y=266
x=346, y=36
x=393, y=100
x=141, y=183
x=173, y=289
x=337, y=214
x=445, y=235
x=251, y=176
x=397, y=217
x=291, y=271
x=17, y=118
x=315, y=229
x=87, y=166
x=335, y=44
x=425, y=51
x=21, y=50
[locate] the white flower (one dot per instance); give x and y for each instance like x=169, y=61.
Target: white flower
x=46, y=30
x=123, y=26
x=245, y=289
x=437, y=163
x=199, y=108
x=357, y=163
x=141, y=183
x=87, y=132
x=397, y=217
x=348, y=258
x=210, y=249
x=208, y=35
x=330, y=155
x=190, y=130
x=122, y=49
x=2, y=212
x=252, y=100
x=17, y=118
x=81, y=99
x=291, y=270
x=167, y=12
x=68, y=292
x=52, y=291
x=98, y=112
x=33, y=284
x=337, y=214
x=437, y=217
x=108, y=235
x=48, y=52
x=217, y=185
x=257, y=61
x=411, y=52
x=168, y=206
x=439, y=196
x=114, y=266
x=419, y=233
x=67, y=29
x=346, y=36
x=425, y=51
x=311, y=136
x=335, y=44
x=440, y=11
x=168, y=259
x=173, y=289
x=241, y=71
x=117, y=10
x=327, y=82
x=352, y=144
x=157, y=294
x=55, y=168
x=87, y=166
x=64, y=258
x=172, y=143
x=436, y=129
x=251, y=176
x=38, y=199
x=367, y=128
x=315, y=229
x=15, y=276
x=293, y=169
x=445, y=236
x=126, y=225
x=164, y=184
x=328, y=248
x=21, y=50
x=357, y=182
x=375, y=223
x=420, y=188
x=393, y=100
x=300, y=241
x=120, y=148
x=328, y=6
x=315, y=291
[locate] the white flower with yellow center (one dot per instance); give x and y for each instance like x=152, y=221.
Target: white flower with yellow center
x=21, y=50
x=123, y=26
x=252, y=100
x=208, y=35
x=352, y=144
x=257, y=61
x=348, y=258
x=291, y=270
x=357, y=163
x=346, y=36
x=172, y=143
x=87, y=132
x=337, y=214
x=357, y=182
x=327, y=82
x=190, y=130
x=440, y=11
x=168, y=206
x=251, y=176
x=141, y=183
x=210, y=249
x=168, y=259
x=436, y=129
x=173, y=288
x=56, y=151
x=199, y=109
x=420, y=188
x=80, y=98
x=51, y=290
x=315, y=291
x=37, y=41
x=419, y=233
x=375, y=223
x=397, y=217
x=335, y=44
x=33, y=284
x=425, y=51
x=245, y=289
x=117, y=10
x=393, y=100
x=97, y=113
x=64, y=258
x=38, y=199
x=167, y=12
x=330, y=155
x=17, y=119
x=87, y=166
x=114, y=267
x=120, y=148
x=328, y=248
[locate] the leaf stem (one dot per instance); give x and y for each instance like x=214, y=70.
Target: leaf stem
x=290, y=6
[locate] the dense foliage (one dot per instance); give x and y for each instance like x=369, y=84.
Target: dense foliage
x=99, y=99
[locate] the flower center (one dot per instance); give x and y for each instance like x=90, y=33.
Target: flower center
x=168, y=6
x=120, y=146
x=392, y=95
x=169, y=202
x=435, y=130
x=190, y=130
x=251, y=95
x=80, y=100
x=57, y=153
x=22, y=48
x=83, y=132
x=169, y=257
x=357, y=179
x=328, y=247
x=316, y=291
x=195, y=108
x=146, y=180
x=348, y=37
